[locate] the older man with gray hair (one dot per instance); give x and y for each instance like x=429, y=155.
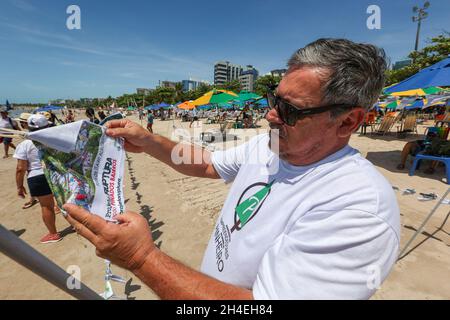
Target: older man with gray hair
x=307, y=217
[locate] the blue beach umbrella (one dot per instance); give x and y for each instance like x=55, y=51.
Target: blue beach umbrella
x=48, y=108
x=433, y=76
x=164, y=105
x=418, y=104
x=262, y=103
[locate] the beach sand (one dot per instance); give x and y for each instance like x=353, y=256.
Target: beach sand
x=182, y=212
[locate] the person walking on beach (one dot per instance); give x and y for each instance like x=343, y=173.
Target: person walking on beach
x=7, y=123
x=150, y=119
x=307, y=217
x=70, y=117
x=28, y=163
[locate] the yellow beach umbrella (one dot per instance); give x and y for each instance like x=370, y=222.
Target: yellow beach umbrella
x=215, y=97
x=417, y=92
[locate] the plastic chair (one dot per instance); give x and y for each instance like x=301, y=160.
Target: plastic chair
x=419, y=157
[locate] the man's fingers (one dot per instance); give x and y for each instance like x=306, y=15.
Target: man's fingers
x=116, y=123
x=92, y=222
x=82, y=230
x=126, y=217
x=118, y=132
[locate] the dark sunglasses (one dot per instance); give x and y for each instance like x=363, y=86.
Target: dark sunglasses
x=290, y=114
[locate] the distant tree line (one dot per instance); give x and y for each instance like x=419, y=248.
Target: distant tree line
x=438, y=49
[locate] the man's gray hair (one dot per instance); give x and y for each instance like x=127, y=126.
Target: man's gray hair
x=352, y=73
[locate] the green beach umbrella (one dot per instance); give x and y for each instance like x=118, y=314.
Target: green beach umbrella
x=417, y=92
x=393, y=104
x=215, y=97
x=247, y=95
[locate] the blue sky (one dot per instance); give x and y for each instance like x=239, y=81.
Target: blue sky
x=124, y=45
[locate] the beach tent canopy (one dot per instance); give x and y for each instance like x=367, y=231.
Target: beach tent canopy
x=164, y=105
x=157, y=106
x=417, y=92
x=48, y=108
x=433, y=76
x=215, y=97
x=152, y=107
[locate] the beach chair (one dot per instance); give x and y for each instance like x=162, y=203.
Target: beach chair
x=442, y=119
x=369, y=121
x=408, y=125
x=420, y=156
x=386, y=124
x=219, y=134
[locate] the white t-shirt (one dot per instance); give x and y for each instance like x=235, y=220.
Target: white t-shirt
x=325, y=231
x=26, y=150
x=5, y=123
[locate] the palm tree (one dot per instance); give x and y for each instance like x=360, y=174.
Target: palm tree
x=179, y=93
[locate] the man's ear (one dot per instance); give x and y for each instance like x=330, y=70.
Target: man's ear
x=350, y=122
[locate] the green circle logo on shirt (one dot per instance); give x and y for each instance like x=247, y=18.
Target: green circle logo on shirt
x=249, y=203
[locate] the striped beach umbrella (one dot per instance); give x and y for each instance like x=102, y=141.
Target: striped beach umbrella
x=215, y=97
x=417, y=92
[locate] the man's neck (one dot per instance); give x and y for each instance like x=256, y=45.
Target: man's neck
x=315, y=155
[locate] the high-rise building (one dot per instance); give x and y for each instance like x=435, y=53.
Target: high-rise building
x=224, y=71
x=189, y=85
x=168, y=84
x=248, y=78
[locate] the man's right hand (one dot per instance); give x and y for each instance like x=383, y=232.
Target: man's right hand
x=136, y=137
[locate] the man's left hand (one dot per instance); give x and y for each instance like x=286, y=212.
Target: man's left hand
x=126, y=244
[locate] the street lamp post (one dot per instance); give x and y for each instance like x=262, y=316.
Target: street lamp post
x=421, y=14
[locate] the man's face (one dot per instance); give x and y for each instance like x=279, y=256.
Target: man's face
x=4, y=115
x=312, y=136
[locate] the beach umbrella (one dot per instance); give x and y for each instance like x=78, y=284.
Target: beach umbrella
x=437, y=101
x=48, y=108
x=246, y=96
x=262, y=103
x=392, y=105
x=187, y=105
x=435, y=75
x=417, y=104
x=385, y=88
x=205, y=107
x=225, y=105
x=164, y=105
x=215, y=97
x=238, y=103
x=417, y=92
